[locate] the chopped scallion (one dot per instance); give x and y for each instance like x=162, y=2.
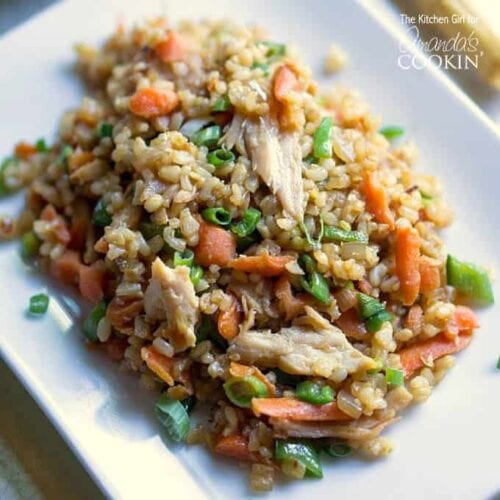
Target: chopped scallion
x=101, y=217
x=337, y=234
x=303, y=452
x=41, y=146
x=208, y=136
x=275, y=50
x=314, y=283
x=368, y=306
x=66, y=152
x=92, y=321
x=248, y=223
x=29, y=245
x=217, y=215
x=39, y=304
x=220, y=157
x=240, y=391
x=469, y=279
x=150, y=230
x=4, y=189
x=375, y=322
x=185, y=258
x=262, y=66
x=392, y=132
x=105, y=130
x=195, y=274
x=322, y=141
x=174, y=417
x=314, y=392
x=394, y=376
x=222, y=104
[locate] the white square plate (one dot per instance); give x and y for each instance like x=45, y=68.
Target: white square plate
x=447, y=448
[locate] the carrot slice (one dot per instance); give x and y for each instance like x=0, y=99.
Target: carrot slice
x=91, y=282
x=235, y=446
x=407, y=252
x=351, y=325
x=150, y=102
x=264, y=265
x=376, y=200
x=293, y=409
x=158, y=364
x=215, y=245
x=171, y=49
x=464, y=319
x=62, y=234
x=228, y=321
x=66, y=268
x=290, y=304
x=24, y=150
x=414, y=357
x=238, y=370
x=430, y=278
x=285, y=81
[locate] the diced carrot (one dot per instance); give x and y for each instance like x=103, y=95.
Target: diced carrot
x=215, y=245
x=430, y=278
x=238, y=370
x=264, y=265
x=293, y=409
x=351, y=325
x=235, y=446
x=414, y=357
x=150, y=102
x=91, y=281
x=285, y=81
x=414, y=318
x=407, y=252
x=291, y=305
x=464, y=319
x=376, y=200
x=24, y=150
x=66, y=268
x=49, y=214
x=121, y=313
x=158, y=364
x=171, y=49
x=228, y=321
x=79, y=158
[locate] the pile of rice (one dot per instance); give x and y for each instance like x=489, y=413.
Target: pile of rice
x=154, y=182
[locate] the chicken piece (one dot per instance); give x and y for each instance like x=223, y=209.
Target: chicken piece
x=320, y=350
x=362, y=429
x=277, y=158
x=170, y=296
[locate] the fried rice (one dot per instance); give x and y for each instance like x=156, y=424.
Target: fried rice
x=252, y=245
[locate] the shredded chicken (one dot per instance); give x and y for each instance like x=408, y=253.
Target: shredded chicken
x=277, y=158
x=170, y=296
x=321, y=351
x=359, y=430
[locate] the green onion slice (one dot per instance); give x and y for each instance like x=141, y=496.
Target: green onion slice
x=303, y=452
x=316, y=393
x=222, y=104
x=208, y=136
x=29, y=245
x=392, y=132
x=39, y=304
x=4, y=189
x=150, y=230
x=41, y=146
x=247, y=225
x=173, y=416
x=195, y=274
x=470, y=279
x=240, y=391
x=101, y=217
x=105, y=130
x=275, y=50
x=217, y=215
x=262, y=66
x=375, y=322
x=368, y=306
x=185, y=258
x=92, y=321
x=394, y=376
x=220, y=157
x=323, y=138
x=314, y=283
x=337, y=450
x=66, y=152
x=337, y=234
